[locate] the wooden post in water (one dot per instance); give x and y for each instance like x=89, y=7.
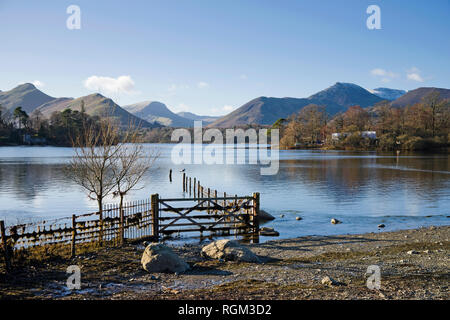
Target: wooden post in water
x=74, y=235
x=5, y=246
x=190, y=186
x=256, y=216
x=209, y=203
x=224, y=201
x=195, y=186
x=155, y=215
x=184, y=182
x=198, y=189
x=170, y=175
x=215, y=200
x=202, y=194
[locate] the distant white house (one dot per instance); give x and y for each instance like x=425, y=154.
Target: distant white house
x=336, y=136
x=365, y=134
x=369, y=134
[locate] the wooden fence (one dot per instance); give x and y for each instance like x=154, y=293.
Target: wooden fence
x=231, y=212
x=108, y=228
x=204, y=211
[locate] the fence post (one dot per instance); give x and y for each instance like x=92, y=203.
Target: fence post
x=74, y=234
x=215, y=196
x=202, y=195
x=5, y=246
x=256, y=212
x=100, y=233
x=122, y=229
x=155, y=215
x=224, y=202
x=184, y=182
x=195, y=186
x=209, y=197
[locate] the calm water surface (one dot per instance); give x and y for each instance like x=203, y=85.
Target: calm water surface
x=362, y=189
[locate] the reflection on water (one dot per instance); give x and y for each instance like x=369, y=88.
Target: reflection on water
x=362, y=189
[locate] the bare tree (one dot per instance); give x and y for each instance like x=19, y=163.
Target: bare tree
x=130, y=164
x=107, y=161
x=91, y=167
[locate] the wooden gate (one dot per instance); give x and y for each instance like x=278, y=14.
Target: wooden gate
x=213, y=215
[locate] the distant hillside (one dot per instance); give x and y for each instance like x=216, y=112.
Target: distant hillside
x=343, y=95
x=26, y=96
x=154, y=111
x=266, y=111
x=262, y=110
x=95, y=105
x=388, y=94
x=192, y=116
x=57, y=104
x=416, y=96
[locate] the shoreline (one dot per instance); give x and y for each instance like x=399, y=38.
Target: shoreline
x=413, y=263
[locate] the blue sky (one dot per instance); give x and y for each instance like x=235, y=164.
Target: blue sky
x=212, y=56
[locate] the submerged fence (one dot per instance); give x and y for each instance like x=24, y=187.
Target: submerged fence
x=204, y=211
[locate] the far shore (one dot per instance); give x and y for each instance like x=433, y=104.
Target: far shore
x=413, y=263
x=443, y=150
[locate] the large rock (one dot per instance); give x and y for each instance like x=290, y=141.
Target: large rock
x=265, y=216
x=158, y=257
x=229, y=250
x=269, y=232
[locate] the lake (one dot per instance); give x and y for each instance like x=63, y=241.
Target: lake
x=362, y=189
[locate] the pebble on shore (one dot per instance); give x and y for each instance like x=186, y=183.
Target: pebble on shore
x=328, y=281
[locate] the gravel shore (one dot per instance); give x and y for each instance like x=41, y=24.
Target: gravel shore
x=414, y=264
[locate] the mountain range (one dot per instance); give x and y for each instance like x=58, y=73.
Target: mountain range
x=192, y=116
x=154, y=111
x=95, y=105
x=261, y=110
x=265, y=110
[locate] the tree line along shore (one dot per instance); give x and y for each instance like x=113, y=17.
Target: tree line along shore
x=422, y=126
